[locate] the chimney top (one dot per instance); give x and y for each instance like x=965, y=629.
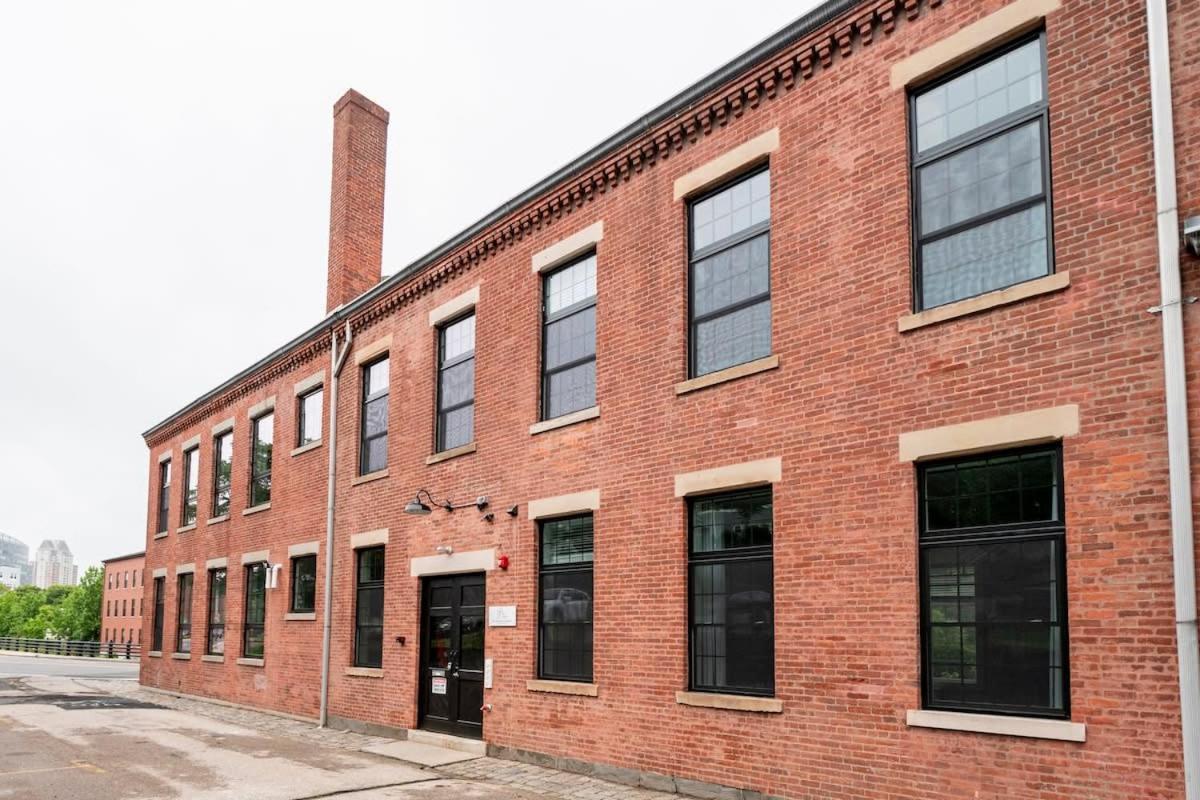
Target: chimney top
x=353, y=96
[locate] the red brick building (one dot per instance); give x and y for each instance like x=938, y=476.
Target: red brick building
x=807, y=437
x=121, y=610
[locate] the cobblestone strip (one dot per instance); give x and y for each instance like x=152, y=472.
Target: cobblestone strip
x=542, y=781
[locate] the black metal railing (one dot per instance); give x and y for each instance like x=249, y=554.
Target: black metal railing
x=63, y=647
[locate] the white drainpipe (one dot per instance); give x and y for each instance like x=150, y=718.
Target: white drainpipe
x=336, y=361
x=1178, y=454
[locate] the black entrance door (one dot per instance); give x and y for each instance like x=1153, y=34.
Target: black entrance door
x=452, y=654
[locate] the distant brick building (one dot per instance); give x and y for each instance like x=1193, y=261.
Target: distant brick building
x=808, y=437
x=122, y=609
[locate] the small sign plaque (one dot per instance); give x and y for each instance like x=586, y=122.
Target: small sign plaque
x=502, y=616
x=487, y=673
x=439, y=686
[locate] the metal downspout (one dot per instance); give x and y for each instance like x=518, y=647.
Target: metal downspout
x=1178, y=453
x=336, y=361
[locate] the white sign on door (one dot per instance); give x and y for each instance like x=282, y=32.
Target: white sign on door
x=439, y=686
x=502, y=616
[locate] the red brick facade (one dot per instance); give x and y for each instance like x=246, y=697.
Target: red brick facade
x=848, y=384
x=121, y=611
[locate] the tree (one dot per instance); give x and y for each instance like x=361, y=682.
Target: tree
x=78, y=615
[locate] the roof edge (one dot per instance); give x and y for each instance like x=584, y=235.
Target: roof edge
x=123, y=558
x=810, y=22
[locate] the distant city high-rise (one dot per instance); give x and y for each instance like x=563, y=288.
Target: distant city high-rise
x=54, y=564
x=15, y=568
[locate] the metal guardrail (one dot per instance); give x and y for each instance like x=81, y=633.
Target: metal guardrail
x=62, y=647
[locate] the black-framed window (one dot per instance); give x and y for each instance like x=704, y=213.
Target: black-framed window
x=191, y=488
x=183, y=613
x=456, y=383
x=993, y=584
x=374, y=434
x=304, y=584
x=222, y=472
x=308, y=416
x=731, y=588
x=730, y=274
x=262, y=445
x=164, y=495
x=569, y=338
x=156, y=641
x=217, y=583
x=981, y=177
x=255, y=611
x=368, y=608
x=565, y=611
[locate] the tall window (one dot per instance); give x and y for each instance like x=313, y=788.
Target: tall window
x=308, y=424
x=373, y=446
x=982, y=177
x=222, y=472
x=260, y=459
x=368, y=609
x=255, y=611
x=731, y=583
x=183, y=615
x=164, y=495
x=156, y=640
x=569, y=338
x=304, y=584
x=191, y=488
x=993, y=584
x=456, y=383
x=215, y=644
x=731, y=274
x=565, y=578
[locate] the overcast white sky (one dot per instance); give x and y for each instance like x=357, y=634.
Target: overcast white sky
x=164, y=170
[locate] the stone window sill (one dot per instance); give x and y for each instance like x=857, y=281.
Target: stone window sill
x=256, y=509
x=222, y=518
x=250, y=662
x=155, y=654
x=186, y=528
x=973, y=305
x=364, y=672
x=1028, y=727
x=370, y=476
x=563, y=687
x=730, y=702
x=213, y=659
x=304, y=448
x=300, y=616
x=181, y=656
x=728, y=374
x=161, y=534
x=453, y=452
x=566, y=419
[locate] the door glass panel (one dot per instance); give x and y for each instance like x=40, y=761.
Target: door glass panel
x=441, y=597
x=471, y=656
x=440, y=632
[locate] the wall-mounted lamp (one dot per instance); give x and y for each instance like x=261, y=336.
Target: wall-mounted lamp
x=444, y=550
x=512, y=511
x=1191, y=235
x=421, y=508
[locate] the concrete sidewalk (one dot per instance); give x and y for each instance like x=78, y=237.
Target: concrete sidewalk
x=469, y=776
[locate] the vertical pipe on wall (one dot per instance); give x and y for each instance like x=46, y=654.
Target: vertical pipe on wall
x=336, y=361
x=1178, y=451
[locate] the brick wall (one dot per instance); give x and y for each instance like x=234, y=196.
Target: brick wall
x=847, y=642
x=121, y=611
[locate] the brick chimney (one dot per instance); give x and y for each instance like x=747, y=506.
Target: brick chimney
x=356, y=198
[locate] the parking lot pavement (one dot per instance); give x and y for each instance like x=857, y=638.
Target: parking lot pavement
x=84, y=738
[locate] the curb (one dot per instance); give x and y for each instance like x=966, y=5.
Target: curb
x=101, y=659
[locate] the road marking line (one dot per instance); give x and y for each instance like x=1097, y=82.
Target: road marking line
x=44, y=769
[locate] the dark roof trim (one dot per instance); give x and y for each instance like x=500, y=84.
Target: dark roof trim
x=123, y=558
x=810, y=22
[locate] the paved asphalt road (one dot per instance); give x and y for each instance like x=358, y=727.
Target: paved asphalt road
x=68, y=730
x=15, y=665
